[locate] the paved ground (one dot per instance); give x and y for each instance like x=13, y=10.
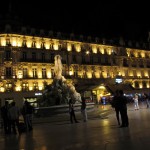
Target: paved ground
x=99, y=133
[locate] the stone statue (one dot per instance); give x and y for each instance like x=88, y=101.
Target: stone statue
x=58, y=67
x=61, y=90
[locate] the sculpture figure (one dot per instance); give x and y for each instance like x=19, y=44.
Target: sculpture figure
x=58, y=67
x=60, y=91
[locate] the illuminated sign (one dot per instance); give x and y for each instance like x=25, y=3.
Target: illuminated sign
x=37, y=94
x=118, y=80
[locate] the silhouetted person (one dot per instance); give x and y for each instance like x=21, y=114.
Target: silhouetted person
x=4, y=115
x=27, y=112
x=13, y=114
x=123, y=109
x=116, y=105
x=83, y=109
x=71, y=112
x=146, y=98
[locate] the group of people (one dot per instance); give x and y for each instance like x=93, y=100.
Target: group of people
x=11, y=113
x=145, y=97
x=119, y=103
x=72, y=111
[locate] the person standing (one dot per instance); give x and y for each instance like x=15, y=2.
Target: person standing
x=136, y=102
x=83, y=109
x=27, y=112
x=13, y=114
x=71, y=112
x=4, y=115
x=146, y=99
x=123, y=109
x=116, y=104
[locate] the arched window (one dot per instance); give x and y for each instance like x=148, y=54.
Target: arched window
x=144, y=84
x=136, y=84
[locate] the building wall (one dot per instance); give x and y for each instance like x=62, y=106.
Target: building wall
x=27, y=63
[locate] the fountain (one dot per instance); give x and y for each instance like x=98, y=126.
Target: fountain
x=61, y=90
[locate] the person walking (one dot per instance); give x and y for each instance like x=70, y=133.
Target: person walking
x=13, y=114
x=71, y=112
x=83, y=109
x=115, y=104
x=123, y=109
x=136, y=102
x=5, y=119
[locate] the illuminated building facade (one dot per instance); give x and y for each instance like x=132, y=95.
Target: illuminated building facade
x=27, y=62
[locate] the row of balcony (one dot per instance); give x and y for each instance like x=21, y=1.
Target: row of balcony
x=73, y=77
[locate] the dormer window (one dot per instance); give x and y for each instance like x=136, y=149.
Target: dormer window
x=24, y=43
x=43, y=45
x=8, y=42
x=33, y=44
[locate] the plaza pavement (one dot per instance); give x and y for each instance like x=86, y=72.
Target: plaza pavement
x=101, y=132
x=98, y=111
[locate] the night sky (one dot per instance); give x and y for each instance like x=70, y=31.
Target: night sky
x=109, y=19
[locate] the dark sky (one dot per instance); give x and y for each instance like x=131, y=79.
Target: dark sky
x=110, y=19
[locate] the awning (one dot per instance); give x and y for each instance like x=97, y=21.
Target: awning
x=127, y=88
x=81, y=88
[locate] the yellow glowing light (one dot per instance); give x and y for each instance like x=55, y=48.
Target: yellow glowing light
x=38, y=45
x=136, y=54
x=49, y=75
x=3, y=42
x=2, y=89
x=109, y=51
x=39, y=75
x=87, y=52
x=29, y=44
x=18, y=88
x=94, y=49
x=102, y=50
x=89, y=75
x=47, y=46
x=55, y=46
x=68, y=47
x=30, y=73
x=140, y=85
x=70, y=73
x=40, y=88
x=143, y=55
x=14, y=43
x=19, y=44
x=78, y=48
x=30, y=88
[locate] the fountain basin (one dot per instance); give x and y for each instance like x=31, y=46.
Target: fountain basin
x=59, y=109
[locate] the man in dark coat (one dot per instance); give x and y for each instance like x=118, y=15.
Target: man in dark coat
x=71, y=112
x=116, y=105
x=123, y=109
